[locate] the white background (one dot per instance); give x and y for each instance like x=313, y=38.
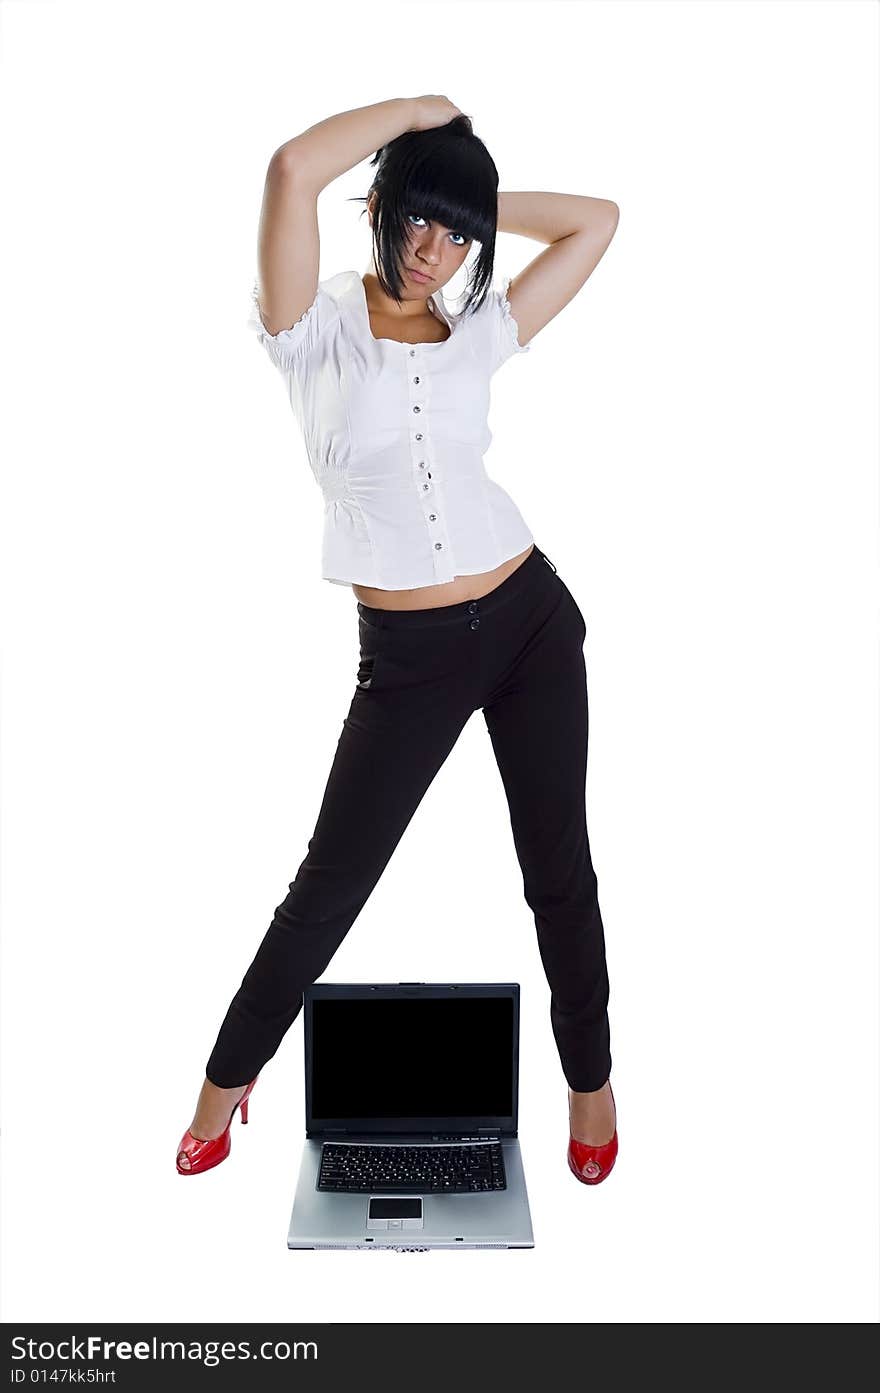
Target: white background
x=693, y=443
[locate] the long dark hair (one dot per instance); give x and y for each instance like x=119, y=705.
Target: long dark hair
x=444, y=174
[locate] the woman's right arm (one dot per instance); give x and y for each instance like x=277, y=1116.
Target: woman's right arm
x=288, y=252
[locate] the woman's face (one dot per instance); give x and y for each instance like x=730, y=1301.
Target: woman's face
x=435, y=251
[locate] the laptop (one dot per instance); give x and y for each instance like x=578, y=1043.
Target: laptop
x=411, y=1094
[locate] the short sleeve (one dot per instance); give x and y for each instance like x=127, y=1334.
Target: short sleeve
x=504, y=335
x=291, y=346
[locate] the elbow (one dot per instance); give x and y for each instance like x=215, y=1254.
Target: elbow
x=287, y=163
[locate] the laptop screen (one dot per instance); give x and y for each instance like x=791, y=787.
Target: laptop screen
x=442, y=1057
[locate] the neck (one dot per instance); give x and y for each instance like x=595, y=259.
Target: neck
x=380, y=303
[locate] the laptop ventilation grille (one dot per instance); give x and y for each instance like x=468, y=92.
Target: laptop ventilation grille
x=395, y=1248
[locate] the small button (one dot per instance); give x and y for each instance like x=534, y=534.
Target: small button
x=417, y=409
x=417, y=380
x=438, y=546
x=425, y=487
x=421, y=464
x=475, y=623
x=472, y=607
x=418, y=437
x=412, y=352
x=432, y=517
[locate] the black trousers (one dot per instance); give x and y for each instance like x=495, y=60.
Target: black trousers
x=517, y=653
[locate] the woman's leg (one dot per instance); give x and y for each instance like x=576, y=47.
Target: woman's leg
x=398, y=732
x=537, y=719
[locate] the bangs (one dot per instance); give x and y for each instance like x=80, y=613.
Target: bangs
x=446, y=195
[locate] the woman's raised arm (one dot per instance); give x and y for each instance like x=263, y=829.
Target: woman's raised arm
x=326, y=150
x=289, y=249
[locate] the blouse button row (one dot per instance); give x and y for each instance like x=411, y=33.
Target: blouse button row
x=422, y=464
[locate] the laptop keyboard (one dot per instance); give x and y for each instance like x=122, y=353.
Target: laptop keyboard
x=450, y=1170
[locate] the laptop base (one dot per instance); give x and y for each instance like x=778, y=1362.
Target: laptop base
x=410, y=1222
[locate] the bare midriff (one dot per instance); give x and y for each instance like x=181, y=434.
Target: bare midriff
x=451, y=592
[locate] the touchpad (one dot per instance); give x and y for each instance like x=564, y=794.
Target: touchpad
x=394, y=1211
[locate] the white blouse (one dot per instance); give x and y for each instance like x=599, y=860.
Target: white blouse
x=395, y=435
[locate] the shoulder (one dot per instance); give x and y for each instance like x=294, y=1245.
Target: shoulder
x=292, y=347
x=339, y=286
x=494, y=326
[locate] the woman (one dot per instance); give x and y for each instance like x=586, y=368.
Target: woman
x=457, y=607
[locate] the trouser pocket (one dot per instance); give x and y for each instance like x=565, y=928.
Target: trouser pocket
x=575, y=610
x=368, y=656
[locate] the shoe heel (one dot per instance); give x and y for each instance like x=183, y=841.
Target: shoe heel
x=244, y=1110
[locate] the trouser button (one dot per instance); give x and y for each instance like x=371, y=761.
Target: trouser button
x=475, y=623
x=472, y=607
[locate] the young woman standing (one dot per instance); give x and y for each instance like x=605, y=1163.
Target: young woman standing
x=458, y=609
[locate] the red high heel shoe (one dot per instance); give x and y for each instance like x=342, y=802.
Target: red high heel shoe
x=591, y=1164
x=203, y=1153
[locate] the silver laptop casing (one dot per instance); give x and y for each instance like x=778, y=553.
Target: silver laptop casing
x=322, y=1219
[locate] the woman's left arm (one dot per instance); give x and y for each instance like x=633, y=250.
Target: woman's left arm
x=577, y=230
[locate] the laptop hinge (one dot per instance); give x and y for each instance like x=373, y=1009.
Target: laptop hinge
x=344, y=1131
x=478, y=1134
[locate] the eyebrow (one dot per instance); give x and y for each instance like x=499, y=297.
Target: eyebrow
x=457, y=230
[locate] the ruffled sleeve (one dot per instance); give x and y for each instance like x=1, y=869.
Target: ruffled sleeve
x=503, y=330
x=511, y=328
x=290, y=347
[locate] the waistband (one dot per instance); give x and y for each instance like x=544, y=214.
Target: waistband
x=439, y=615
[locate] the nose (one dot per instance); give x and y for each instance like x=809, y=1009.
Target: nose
x=430, y=251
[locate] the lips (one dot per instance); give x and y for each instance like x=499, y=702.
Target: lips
x=415, y=272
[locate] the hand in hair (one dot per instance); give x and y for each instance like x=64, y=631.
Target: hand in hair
x=432, y=111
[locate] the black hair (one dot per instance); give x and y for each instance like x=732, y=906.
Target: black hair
x=444, y=174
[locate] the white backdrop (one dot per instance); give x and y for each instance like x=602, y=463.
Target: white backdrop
x=693, y=443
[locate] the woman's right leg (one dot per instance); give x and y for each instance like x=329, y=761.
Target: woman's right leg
x=400, y=727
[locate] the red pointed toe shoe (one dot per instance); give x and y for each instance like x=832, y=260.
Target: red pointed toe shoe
x=201, y=1154
x=591, y=1164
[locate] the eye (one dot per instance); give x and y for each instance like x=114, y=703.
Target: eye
x=463, y=241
